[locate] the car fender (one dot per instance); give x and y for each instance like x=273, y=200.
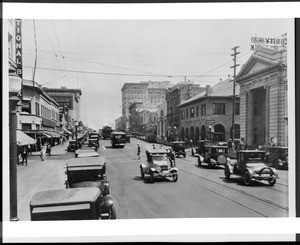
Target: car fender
x=200, y=157
x=153, y=170
x=143, y=166
x=174, y=170
x=230, y=167
x=251, y=172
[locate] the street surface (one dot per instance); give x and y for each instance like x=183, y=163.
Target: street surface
x=199, y=192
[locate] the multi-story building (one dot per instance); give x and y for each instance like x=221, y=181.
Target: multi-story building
x=209, y=114
x=264, y=107
x=69, y=103
x=162, y=120
x=150, y=93
x=175, y=96
x=39, y=114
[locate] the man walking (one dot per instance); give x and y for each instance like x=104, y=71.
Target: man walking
x=139, y=151
x=24, y=155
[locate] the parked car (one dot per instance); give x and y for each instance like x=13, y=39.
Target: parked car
x=158, y=165
x=118, y=139
x=66, y=204
x=251, y=165
x=278, y=156
x=213, y=155
x=200, y=148
x=128, y=138
x=179, y=148
x=72, y=146
x=91, y=172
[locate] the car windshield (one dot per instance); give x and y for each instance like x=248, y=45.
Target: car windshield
x=255, y=157
x=179, y=144
x=120, y=136
x=84, y=175
x=157, y=158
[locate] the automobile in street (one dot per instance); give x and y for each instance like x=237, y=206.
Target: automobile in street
x=278, y=156
x=86, y=153
x=200, y=148
x=128, y=138
x=72, y=145
x=157, y=165
x=179, y=148
x=93, y=139
x=66, y=204
x=91, y=172
x=118, y=139
x=251, y=165
x=213, y=155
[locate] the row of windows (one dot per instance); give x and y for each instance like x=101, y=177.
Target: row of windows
x=218, y=109
x=44, y=112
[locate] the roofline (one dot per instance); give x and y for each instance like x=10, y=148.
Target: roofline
x=205, y=97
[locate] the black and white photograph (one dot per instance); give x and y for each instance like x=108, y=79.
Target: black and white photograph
x=140, y=126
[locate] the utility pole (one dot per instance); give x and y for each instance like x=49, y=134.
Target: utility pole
x=235, y=53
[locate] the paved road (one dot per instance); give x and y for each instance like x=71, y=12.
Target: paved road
x=199, y=191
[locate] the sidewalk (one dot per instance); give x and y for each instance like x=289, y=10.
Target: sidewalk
x=55, y=150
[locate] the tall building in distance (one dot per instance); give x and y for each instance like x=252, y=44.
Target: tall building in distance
x=149, y=93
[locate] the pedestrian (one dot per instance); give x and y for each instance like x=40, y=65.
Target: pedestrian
x=96, y=147
x=49, y=149
x=43, y=151
x=29, y=149
x=24, y=155
x=138, y=151
x=172, y=157
x=230, y=145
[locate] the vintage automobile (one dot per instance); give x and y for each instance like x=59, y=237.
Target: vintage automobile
x=179, y=148
x=93, y=139
x=128, y=138
x=72, y=146
x=201, y=146
x=278, y=156
x=158, y=165
x=66, y=204
x=213, y=155
x=91, y=172
x=118, y=139
x=251, y=165
x=86, y=153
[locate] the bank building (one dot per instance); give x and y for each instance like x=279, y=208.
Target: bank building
x=264, y=97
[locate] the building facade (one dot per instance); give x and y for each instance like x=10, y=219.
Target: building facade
x=175, y=96
x=149, y=93
x=162, y=120
x=208, y=115
x=263, y=94
x=69, y=103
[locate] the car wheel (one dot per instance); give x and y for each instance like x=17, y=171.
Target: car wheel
x=199, y=161
x=112, y=213
x=142, y=173
x=151, y=177
x=272, y=181
x=227, y=172
x=247, y=178
x=175, y=177
x=276, y=164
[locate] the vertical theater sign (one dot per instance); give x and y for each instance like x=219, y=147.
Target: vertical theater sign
x=19, y=69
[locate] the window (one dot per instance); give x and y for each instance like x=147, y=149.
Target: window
x=37, y=107
x=187, y=113
x=192, y=112
x=219, y=108
x=237, y=108
x=203, y=109
x=197, y=111
x=182, y=114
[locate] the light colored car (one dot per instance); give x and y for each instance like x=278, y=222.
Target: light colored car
x=158, y=165
x=251, y=165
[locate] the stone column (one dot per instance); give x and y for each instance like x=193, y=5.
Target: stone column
x=243, y=114
x=249, y=120
x=267, y=115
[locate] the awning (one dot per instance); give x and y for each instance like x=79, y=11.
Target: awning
x=53, y=134
x=44, y=134
x=67, y=131
x=24, y=139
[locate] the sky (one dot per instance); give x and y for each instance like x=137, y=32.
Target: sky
x=102, y=55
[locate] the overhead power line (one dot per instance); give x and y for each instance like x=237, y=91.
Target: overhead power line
x=120, y=74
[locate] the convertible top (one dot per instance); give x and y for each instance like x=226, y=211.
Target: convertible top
x=91, y=162
x=64, y=196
